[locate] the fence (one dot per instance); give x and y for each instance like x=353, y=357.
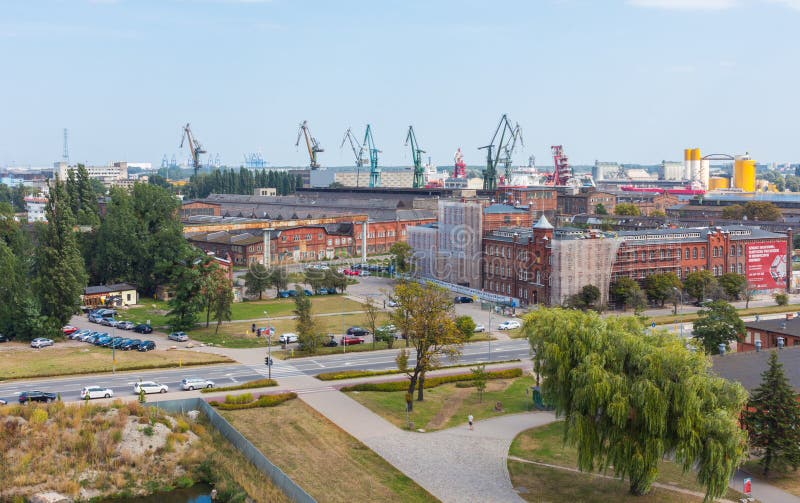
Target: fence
x=280, y=479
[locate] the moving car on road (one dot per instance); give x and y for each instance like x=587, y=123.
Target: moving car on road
x=193, y=383
x=41, y=342
x=509, y=325
x=36, y=396
x=96, y=392
x=178, y=336
x=150, y=387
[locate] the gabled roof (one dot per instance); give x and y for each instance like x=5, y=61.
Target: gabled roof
x=117, y=287
x=746, y=367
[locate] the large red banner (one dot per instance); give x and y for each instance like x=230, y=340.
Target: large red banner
x=766, y=266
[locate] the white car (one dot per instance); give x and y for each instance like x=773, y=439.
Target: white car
x=392, y=303
x=479, y=328
x=150, y=387
x=41, y=342
x=192, y=383
x=509, y=325
x=288, y=338
x=96, y=392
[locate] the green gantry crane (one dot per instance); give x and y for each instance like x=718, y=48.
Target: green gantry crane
x=374, y=170
x=506, y=137
x=416, y=154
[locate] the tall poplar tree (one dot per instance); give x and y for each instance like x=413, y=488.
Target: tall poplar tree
x=772, y=418
x=59, y=274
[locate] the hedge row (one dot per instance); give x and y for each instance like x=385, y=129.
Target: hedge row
x=263, y=401
x=349, y=374
x=432, y=382
x=258, y=383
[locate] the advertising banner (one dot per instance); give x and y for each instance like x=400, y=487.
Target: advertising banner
x=766, y=266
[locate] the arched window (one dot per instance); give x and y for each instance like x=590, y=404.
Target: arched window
x=538, y=278
x=702, y=253
x=694, y=252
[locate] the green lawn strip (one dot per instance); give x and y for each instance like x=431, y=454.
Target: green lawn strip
x=355, y=348
x=248, y=402
x=432, y=382
x=545, y=445
x=258, y=383
x=689, y=317
x=351, y=374
x=448, y=405
x=239, y=335
x=52, y=362
x=481, y=337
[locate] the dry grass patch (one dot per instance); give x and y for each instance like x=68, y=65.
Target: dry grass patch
x=54, y=361
x=328, y=463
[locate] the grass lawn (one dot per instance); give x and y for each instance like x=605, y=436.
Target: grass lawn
x=544, y=444
x=328, y=463
x=689, y=317
x=156, y=311
x=51, y=361
x=237, y=334
x=446, y=406
x=789, y=481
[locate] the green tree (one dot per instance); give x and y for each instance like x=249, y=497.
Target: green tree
x=700, y=284
x=627, y=209
x=630, y=399
x=733, y=212
x=662, y=287
x=718, y=323
x=657, y=214
x=217, y=293
x=771, y=418
x=626, y=292
x=479, y=378
x=425, y=315
x=732, y=284
x=585, y=299
x=466, y=326
x=762, y=210
x=781, y=299
x=401, y=253
x=307, y=335
x=371, y=313
x=600, y=209
x=257, y=279
x=278, y=278
x=59, y=273
x=187, y=287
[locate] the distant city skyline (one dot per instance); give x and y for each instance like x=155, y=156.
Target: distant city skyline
x=633, y=81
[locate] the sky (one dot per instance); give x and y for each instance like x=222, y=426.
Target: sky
x=632, y=81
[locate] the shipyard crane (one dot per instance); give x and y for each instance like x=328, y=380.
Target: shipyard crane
x=195, y=149
x=516, y=136
x=416, y=154
x=311, y=144
x=561, y=168
x=498, y=151
x=374, y=170
x=358, y=150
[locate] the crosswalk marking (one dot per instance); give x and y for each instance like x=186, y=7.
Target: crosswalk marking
x=305, y=391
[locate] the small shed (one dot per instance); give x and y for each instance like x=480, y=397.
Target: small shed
x=119, y=294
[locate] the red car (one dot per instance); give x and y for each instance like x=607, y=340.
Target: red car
x=69, y=329
x=350, y=272
x=349, y=340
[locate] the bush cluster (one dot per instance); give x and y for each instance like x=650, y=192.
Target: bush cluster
x=432, y=382
x=349, y=374
x=258, y=383
x=262, y=401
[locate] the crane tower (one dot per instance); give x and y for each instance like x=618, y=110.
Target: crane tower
x=311, y=144
x=195, y=149
x=416, y=154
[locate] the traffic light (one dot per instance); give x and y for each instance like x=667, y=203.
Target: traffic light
x=258, y=332
x=253, y=329
x=267, y=361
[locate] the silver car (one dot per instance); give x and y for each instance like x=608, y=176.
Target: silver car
x=41, y=342
x=192, y=383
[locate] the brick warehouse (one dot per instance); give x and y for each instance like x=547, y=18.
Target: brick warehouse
x=545, y=266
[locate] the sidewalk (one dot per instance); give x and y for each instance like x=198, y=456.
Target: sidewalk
x=763, y=491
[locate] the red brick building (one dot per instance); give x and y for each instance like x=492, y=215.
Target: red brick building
x=585, y=202
x=496, y=216
x=767, y=333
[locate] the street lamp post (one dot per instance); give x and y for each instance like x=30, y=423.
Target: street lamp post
x=113, y=348
x=269, y=347
x=679, y=292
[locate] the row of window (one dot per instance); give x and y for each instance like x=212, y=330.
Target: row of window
x=689, y=253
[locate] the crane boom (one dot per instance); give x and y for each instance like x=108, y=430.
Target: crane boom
x=358, y=150
x=195, y=149
x=374, y=170
x=416, y=154
x=504, y=135
x=311, y=144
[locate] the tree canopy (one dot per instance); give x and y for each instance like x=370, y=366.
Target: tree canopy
x=719, y=323
x=733, y=285
x=625, y=292
x=700, y=284
x=629, y=399
x=627, y=209
x=663, y=287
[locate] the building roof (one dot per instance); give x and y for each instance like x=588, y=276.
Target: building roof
x=746, y=367
x=779, y=326
x=543, y=223
x=498, y=208
x=100, y=289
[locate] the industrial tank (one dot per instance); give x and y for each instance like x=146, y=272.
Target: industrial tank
x=744, y=173
x=719, y=182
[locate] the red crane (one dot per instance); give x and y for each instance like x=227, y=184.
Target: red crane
x=561, y=170
x=460, y=168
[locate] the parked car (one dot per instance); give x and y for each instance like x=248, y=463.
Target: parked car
x=76, y=336
x=85, y=337
x=101, y=340
x=463, y=299
x=308, y=293
x=126, y=325
x=96, y=392
x=143, y=328
x=4, y=338
x=349, y=340
x=119, y=342
x=322, y=291
x=41, y=342
x=331, y=342
x=36, y=396
x=107, y=322
x=283, y=294
x=288, y=338
x=392, y=303
x=364, y=273
x=357, y=331
x=146, y=346
x=509, y=325
x=479, y=328
x=69, y=329
x=178, y=336
x=3, y=402
x=95, y=318
x=150, y=387
x=292, y=293
x=131, y=344
x=192, y=383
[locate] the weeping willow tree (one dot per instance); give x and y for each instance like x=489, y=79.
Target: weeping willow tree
x=630, y=399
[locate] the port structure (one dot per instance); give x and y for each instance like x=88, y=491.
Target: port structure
x=416, y=154
x=561, y=168
x=499, y=151
x=374, y=170
x=195, y=149
x=311, y=144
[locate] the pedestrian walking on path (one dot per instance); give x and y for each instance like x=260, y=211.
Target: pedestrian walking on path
x=469, y=419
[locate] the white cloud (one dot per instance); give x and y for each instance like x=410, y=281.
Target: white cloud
x=687, y=4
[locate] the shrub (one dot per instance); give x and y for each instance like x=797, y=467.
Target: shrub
x=239, y=399
x=148, y=431
x=39, y=416
x=258, y=383
x=349, y=374
x=181, y=426
x=781, y=299
x=263, y=401
x=432, y=382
